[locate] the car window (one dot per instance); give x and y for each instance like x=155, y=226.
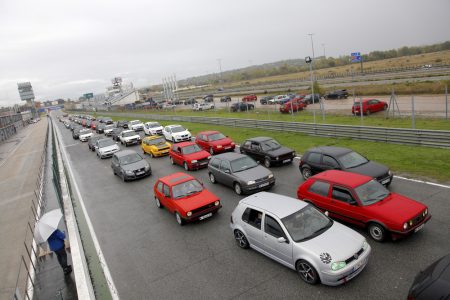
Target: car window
x=175, y=148
x=215, y=163
x=342, y=194
x=255, y=146
x=252, y=217
x=159, y=187
x=320, y=188
x=329, y=161
x=247, y=144
x=225, y=165
x=314, y=158
x=166, y=191
x=272, y=227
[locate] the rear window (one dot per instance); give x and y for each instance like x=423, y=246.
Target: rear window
x=320, y=188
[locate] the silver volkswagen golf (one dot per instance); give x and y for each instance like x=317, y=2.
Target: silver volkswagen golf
x=299, y=236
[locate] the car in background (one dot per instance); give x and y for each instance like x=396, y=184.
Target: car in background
x=293, y=105
x=100, y=127
x=153, y=128
x=128, y=165
x=214, y=142
x=190, y=101
x=241, y=106
x=265, y=100
x=209, y=98
x=105, y=148
x=225, y=99
x=369, y=106
x=116, y=132
x=300, y=237
x=129, y=137
x=155, y=146
x=279, y=99
x=249, y=98
x=84, y=135
x=202, y=106
x=88, y=123
x=107, y=121
x=176, y=133
x=240, y=172
x=309, y=99
x=108, y=129
x=433, y=282
x=267, y=150
x=92, y=140
x=189, y=155
x=364, y=202
x=319, y=159
x=136, y=125
x=185, y=197
x=94, y=125
x=76, y=132
x=122, y=123
x=339, y=94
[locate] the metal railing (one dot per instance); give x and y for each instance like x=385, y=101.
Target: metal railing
x=419, y=137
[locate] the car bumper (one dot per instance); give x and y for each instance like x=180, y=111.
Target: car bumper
x=412, y=230
x=224, y=149
x=282, y=161
x=84, y=139
x=161, y=153
x=203, y=215
x=109, y=154
x=132, y=142
x=197, y=166
x=137, y=176
x=346, y=274
x=260, y=186
x=182, y=139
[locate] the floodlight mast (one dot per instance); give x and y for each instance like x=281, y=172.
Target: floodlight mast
x=308, y=60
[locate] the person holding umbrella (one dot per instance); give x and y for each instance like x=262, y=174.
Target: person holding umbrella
x=56, y=244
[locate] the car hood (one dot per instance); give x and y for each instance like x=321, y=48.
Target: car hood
x=160, y=146
x=196, y=201
x=280, y=151
x=372, y=169
x=339, y=241
x=109, y=148
x=135, y=166
x=86, y=134
x=396, y=208
x=225, y=141
x=155, y=128
x=253, y=173
x=132, y=137
x=197, y=155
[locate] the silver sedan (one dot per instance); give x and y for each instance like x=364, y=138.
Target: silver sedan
x=300, y=237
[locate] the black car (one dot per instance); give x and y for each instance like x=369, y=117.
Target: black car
x=115, y=133
x=122, y=123
x=267, y=150
x=92, y=140
x=76, y=132
x=433, y=282
x=309, y=99
x=339, y=94
x=209, y=98
x=325, y=158
x=241, y=106
x=265, y=100
x=190, y=101
x=128, y=164
x=100, y=127
x=108, y=121
x=225, y=99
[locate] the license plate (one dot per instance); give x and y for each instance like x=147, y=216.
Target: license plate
x=286, y=160
x=385, y=181
x=140, y=173
x=227, y=147
x=264, y=184
x=359, y=265
x=204, y=163
x=205, y=216
x=419, y=228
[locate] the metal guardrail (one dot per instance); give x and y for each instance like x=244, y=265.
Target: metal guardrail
x=419, y=137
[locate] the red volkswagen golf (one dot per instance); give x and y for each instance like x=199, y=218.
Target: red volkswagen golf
x=189, y=155
x=214, y=142
x=185, y=197
x=369, y=106
x=363, y=201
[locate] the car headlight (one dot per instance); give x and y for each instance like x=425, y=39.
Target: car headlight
x=129, y=172
x=270, y=175
x=147, y=167
x=389, y=173
x=194, y=161
x=365, y=245
x=251, y=182
x=277, y=158
x=217, y=203
x=219, y=146
x=209, y=157
x=189, y=213
x=337, y=265
x=425, y=212
x=405, y=225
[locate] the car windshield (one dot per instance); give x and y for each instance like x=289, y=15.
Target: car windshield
x=178, y=129
x=186, y=188
x=242, y=164
x=129, y=159
x=105, y=143
x=101, y=126
x=190, y=149
x=129, y=133
x=153, y=125
x=352, y=159
x=371, y=192
x=158, y=141
x=270, y=145
x=216, y=137
x=84, y=131
x=134, y=122
x=306, y=223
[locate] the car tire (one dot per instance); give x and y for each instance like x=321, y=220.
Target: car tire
x=171, y=160
x=307, y=272
x=241, y=240
x=180, y=220
x=211, y=150
x=186, y=167
x=212, y=178
x=158, y=203
x=377, y=232
x=237, y=188
x=267, y=162
x=306, y=173
x=123, y=177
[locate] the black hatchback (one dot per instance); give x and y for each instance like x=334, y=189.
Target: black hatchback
x=320, y=159
x=268, y=151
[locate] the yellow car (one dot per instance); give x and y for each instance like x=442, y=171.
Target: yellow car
x=155, y=146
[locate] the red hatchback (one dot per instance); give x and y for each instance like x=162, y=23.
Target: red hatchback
x=189, y=155
x=249, y=98
x=214, y=142
x=93, y=125
x=293, y=105
x=363, y=201
x=369, y=106
x=185, y=196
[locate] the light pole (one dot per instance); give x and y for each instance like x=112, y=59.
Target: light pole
x=313, y=58
x=309, y=61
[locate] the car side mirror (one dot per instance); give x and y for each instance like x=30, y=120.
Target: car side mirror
x=227, y=171
x=327, y=213
x=282, y=240
x=353, y=202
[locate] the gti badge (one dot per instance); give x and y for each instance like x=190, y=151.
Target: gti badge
x=325, y=258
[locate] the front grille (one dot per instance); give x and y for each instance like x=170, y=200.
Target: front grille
x=163, y=148
x=355, y=256
x=203, y=208
x=262, y=179
x=139, y=170
x=286, y=156
x=417, y=219
x=159, y=131
x=383, y=177
x=203, y=161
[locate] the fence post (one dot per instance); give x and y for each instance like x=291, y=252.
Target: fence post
x=446, y=102
x=413, y=113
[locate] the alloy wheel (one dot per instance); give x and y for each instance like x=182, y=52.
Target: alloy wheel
x=307, y=272
x=241, y=239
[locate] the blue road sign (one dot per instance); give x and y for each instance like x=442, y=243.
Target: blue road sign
x=355, y=57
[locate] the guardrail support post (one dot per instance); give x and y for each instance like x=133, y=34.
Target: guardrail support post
x=446, y=102
x=413, y=113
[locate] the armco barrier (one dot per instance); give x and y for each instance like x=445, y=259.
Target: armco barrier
x=430, y=138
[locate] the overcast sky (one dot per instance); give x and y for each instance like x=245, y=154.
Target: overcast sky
x=71, y=47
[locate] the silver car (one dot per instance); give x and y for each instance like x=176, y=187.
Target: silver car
x=299, y=236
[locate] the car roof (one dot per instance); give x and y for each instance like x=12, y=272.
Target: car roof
x=230, y=155
x=185, y=144
x=175, y=178
x=153, y=122
x=352, y=180
x=279, y=205
x=174, y=125
x=260, y=139
x=124, y=153
x=331, y=150
x=208, y=132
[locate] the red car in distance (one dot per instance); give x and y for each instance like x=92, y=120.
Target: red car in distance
x=214, y=142
x=189, y=155
x=249, y=98
x=369, y=106
x=364, y=202
x=185, y=197
x=293, y=105
x=93, y=125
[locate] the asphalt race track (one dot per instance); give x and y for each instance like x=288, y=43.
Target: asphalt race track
x=151, y=257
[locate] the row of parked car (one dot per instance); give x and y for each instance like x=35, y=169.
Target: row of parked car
x=302, y=234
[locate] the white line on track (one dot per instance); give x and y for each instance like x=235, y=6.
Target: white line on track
x=424, y=182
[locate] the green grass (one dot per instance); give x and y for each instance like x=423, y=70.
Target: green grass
x=410, y=161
